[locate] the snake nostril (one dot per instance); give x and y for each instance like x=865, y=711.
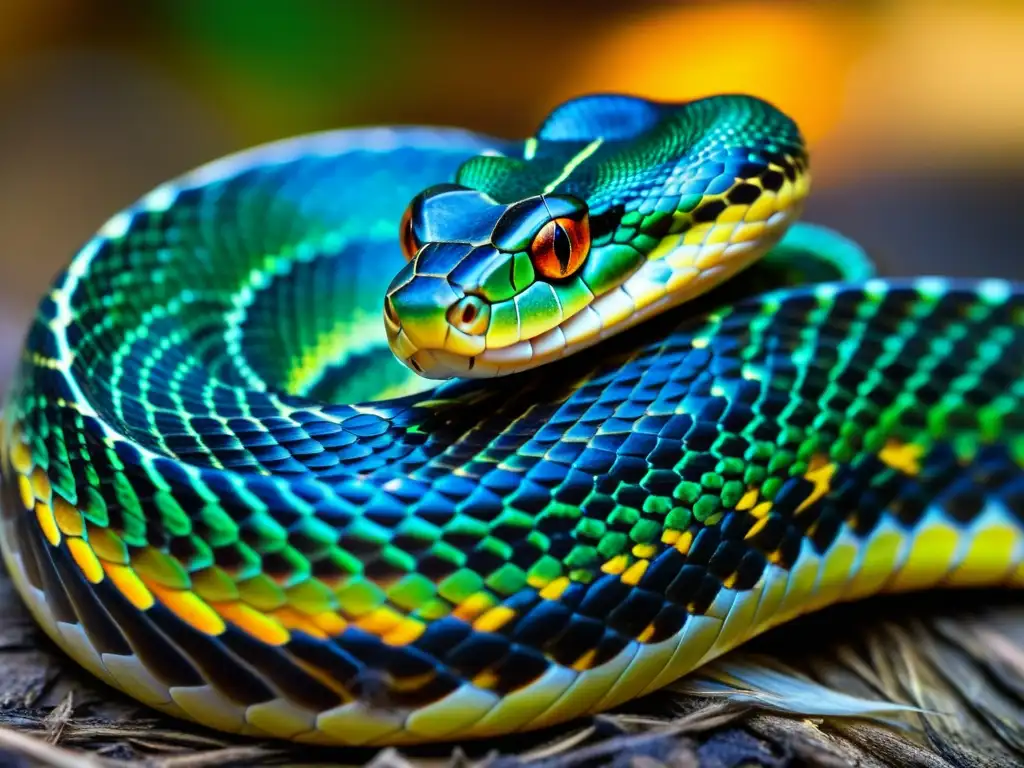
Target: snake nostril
x=470, y=314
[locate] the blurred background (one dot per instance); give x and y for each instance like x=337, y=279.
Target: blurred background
x=914, y=109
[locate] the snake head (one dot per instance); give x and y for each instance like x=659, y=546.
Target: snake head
x=481, y=276
x=618, y=209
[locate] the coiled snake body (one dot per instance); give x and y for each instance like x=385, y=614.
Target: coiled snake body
x=225, y=494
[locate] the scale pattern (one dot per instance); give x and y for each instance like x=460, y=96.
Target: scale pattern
x=192, y=512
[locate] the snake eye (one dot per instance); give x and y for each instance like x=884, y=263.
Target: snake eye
x=561, y=245
x=407, y=236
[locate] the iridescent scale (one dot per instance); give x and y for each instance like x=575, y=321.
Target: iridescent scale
x=223, y=495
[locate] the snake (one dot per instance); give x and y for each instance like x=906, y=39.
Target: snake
x=393, y=435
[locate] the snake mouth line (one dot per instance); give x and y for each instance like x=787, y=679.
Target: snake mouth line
x=658, y=285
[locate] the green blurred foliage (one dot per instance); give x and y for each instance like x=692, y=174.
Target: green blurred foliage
x=306, y=47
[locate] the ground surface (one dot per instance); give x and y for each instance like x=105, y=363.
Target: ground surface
x=959, y=655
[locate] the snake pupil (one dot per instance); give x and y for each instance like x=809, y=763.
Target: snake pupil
x=563, y=247
x=559, y=248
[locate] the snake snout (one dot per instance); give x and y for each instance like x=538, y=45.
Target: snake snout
x=436, y=313
x=419, y=309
